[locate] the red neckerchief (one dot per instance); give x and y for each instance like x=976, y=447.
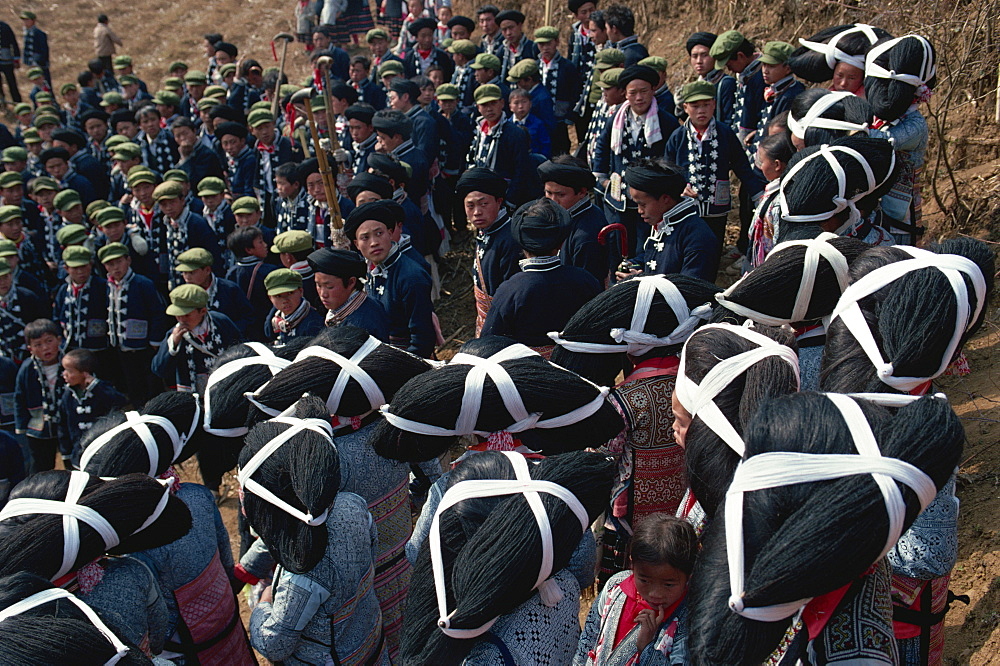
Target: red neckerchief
x=546, y=61
x=425, y=54
x=76, y=289
x=265, y=148
x=147, y=216
x=485, y=126
x=634, y=604
x=818, y=612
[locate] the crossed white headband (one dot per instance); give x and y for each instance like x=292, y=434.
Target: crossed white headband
x=54, y=594
x=699, y=399
x=781, y=468
x=140, y=424
x=815, y=248
x=928, y=68
x=245, y=473
x=633, y=340
x=834, y=55
x=350, y=369
x=264, y=357
x=548, y=590
x=814, y=116
x=952, y=266
x=472, y=399
x=841, y=201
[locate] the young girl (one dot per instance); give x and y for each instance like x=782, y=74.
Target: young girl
x=773, y=153
x=640, y=617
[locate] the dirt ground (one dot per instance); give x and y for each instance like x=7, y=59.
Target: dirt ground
x=158, y=33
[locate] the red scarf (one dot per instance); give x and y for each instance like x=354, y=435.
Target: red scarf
x=634, y=604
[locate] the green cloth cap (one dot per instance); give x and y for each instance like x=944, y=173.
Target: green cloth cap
x=288, y=89
x=262, y=104
x=67, y=199
x=211, y=185
x=446, y=42
x=193, y=259
x=696, y=91
x=390, y=67
x=10, y=179
x=14, y=154
x=167, y=98
x=447, y=91
x=126, y=151
x=246, y=205
x=111, y=251
x=8, y=248
x=282, y=281
x=44, y=96
x=8, y=213
x=215, y=91
x=94, y=206
x=4, y=267
x=113, y=98
x=486, y=61
x=185, y=299
x=173, y=83
x=318, y=103
x=177, y=64
x=546, y=33
x=45, y=119
x=34, y=73
x=65, y=88
x=657, y=63
x=139, y=175
x=115, y=140
x=608, y=58
x=177, y=176
x=31, y=135
x=464, y=46
x=228, y=68
x=71, y=234
x=487, y=93
x=292, y=242
x=77, y=255
x=609, y=78
x=207, y=103
x=22, y=107
x=43, y=183
x=171, y=190
x=258, y=117
x=522, y=69
x=109, y=215
x=128, y=80
x=196, y=77
x=121, y=61
x=776, y=53
x=30, y=16
x=726, y=46
x=376, y=33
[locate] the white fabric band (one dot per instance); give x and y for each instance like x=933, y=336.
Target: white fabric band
x=784, y=468
x=814, y=116
x=634, y=340
x=320, y=427
x=892, y=400
x=928, y=67
x=264, y=356
x=815, y=248
x=350, y=368
x=140, y=424
x=952, y=266
x=531, y=490
x=472, y=399
x=834, y=55
x=72, y=513
x=55, y=594
x=699, y=399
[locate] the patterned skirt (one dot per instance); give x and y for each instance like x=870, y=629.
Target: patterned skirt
x=352, y=24
x=392, y=569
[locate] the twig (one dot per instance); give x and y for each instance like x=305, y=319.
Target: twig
x=452, y=337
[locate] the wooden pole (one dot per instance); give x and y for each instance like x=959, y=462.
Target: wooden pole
x=329, y=185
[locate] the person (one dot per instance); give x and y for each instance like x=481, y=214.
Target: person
x=159, y=150
x=707, y=150
x=525, y=76
x=397, y=282
x=38, y=388
x=424, y=52
x=359, y=73
x=292, y=315
x=340, y=283
x=273, y=152
x=216, y=209
x=291, y=204
x=35, y=52
x=680, y=241
x=782, y=86
x=641, y=614
x=378, y=43
x=8, y=251
x=773, y=154
x=569, y=182
x=105, y=41
x=516, y=45
x=363, y=137
x=492, y=39
x=293, y=247
x=581, y=51
x=499, y=145
x=459, y=27
x=639, y=129
x=186, y=354
x=546, y=293
x=736, y=53
x=463, y=53
x=196, y=159
x=706, y=68
x=81, y=303
x=250, y=248
x=30, y=259
x=561, y=78
x=404, y=97
x=241, y=160
x=84, y=400
x=82, y=162
x=57, y=165
x=136, y=323
x=394, y=129
x=620, y=22
x=178, y=230
x=195, y=266
x=10, y=59
x=521, y=111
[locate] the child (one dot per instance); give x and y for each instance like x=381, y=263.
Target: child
x=159, y=150
x=216, y=209
x=773, y=153
x=248, y=246
x=81, y=305
x=520, y=108
x=292, y=204
x=562, y=79
x=241, y=171
x=782, y=87
x=36, y=394
x=643, y=611
x=85, y=399
x=292, y=315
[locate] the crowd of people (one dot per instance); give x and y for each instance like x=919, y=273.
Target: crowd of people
x=238, y=268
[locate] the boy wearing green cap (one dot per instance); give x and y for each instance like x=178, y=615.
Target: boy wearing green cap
x=36, y=77
x=136, y=322
x=215, y=208
x=273, y=150
x=177, y=230
x=195, y=266
x=738, y=54
x=526, y=76
x=12, y=220
x=8, y=252
x=81, y=305
x=15, y=159
x=562, y=79
x=521, y=107
x=35, y=52
x=12, y=194
x=186, y=354
x=500, y=145
x=111, y=223
x=18, y=307
x=378, y=43
x=22, y=112
x=292, y=315
x=782, y=87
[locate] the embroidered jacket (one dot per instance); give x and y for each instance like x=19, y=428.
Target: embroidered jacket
x=36, y=407
x=504, y=148
x=404, y=290
x=201, y=163
x=681, y=243
x=159, y=154
x=414, y=63
x=581, y=248
x=36, y=48
x=80, y=408
x=241, y=173
x=82, y=312
x=173, y=365
x=307, y=327
x=136, y=313
x=497, y=255
x=510, y=56
x=562, y=79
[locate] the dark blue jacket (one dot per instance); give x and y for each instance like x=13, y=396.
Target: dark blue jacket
x=310, y=325
x=81, y=184
x=79, y=411
x=372, y=93
x=28, y=281
x=248, y=274
x=36, y=47
x=241, y=173
x=633, y=50
x=87, y=166
x=8, y=379
x=141, y=320
x=11, y=465
x=581, y=248
x=525, y=50
x=542, y=107
x=725, y=96
x=161, y=155
x=371, y=317
x=541, y=140
x=242, y=96
x=90, y=330
x=404, y=291
x=232, y=301
x=28, y=404
x=201, y=163
x=462, y=129
x=413, y=155
x=506, y=151
x=411, y=62
x=173, y=369
x=498, y=255
x=750, y=97
x=465, y=79
x=199, y=234
x=690, y=249
x=564, y=87
x=28, y=308
x=425, y=135
x=539, y=299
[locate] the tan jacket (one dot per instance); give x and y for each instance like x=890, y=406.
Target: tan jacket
x=105, y=40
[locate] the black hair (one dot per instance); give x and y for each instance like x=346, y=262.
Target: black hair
x=212, y=38
x=780, y=121
x=622, y=18
x=290, y=172
x=597, y=16
x=364, y=61
x=226, y=47
x=81, y=359
x=102, y=18
x=778, y=147
x=852, y=109
x=182, y=121
x=149, y=110
x=812, y=66
x=249, y=64
x=85, y=78
x=660, y=538
x=746, y=47
x=487, y=9
x=518, y=92
x=40, y=327
x=891, y=98
x=422, y=81
x=241, y=239
x=96, y=66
